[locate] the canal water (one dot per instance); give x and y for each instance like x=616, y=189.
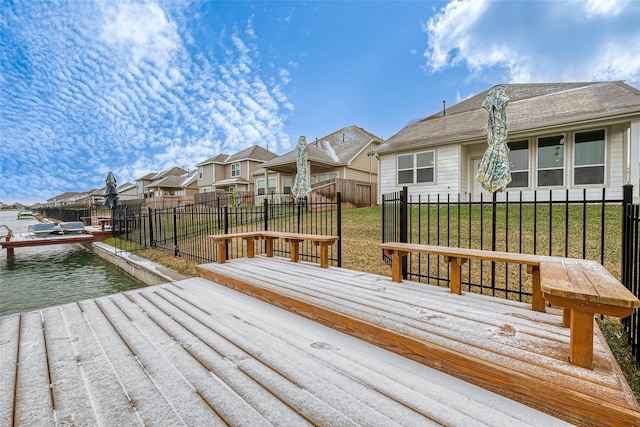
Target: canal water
x=51, y=275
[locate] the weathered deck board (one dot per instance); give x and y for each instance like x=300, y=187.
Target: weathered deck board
x=501, y=345
x=197, y=353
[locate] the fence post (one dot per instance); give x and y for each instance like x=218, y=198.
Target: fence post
x=493, y=239
x=403, y=226
x=175, y=232
x=265, y=203
x=339, y=226
x=627, y=244
x=151, y=242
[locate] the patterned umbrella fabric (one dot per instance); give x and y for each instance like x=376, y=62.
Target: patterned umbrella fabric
x=301, y=185
x=494, y=173
x=111, y=198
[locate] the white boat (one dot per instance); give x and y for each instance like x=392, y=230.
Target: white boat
x=25, y=215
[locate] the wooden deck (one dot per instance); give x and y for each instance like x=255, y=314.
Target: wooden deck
x=197, y=353
x=496, y=344
x=25, y=240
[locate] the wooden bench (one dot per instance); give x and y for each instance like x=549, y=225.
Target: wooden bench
x=222, y=240
x=581, y=288
x=294, y=240
x=456, y=257
x=584, y=288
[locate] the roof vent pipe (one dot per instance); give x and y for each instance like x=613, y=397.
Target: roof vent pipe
x=444, y=107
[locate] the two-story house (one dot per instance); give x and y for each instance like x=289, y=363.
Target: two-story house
x=234, y=173
x=142, y=183
x=342, y=155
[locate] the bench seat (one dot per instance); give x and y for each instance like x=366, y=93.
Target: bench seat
x=294, y=239
x=456, y=257
x=584, y=288
x=580, y=287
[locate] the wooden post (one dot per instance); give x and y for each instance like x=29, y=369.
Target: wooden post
x=581, y=343
x=324, y=254
x=9, y=254
x=222, y=251
x=396, y=264
x=251, y=246
x=295, y=249
x=537, y=300
x=455, y=264
x=269, y=240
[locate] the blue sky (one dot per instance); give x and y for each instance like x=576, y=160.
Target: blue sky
x=89, y=86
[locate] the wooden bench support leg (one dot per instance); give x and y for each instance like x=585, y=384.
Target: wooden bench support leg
x=396, y=265
x=251, y=247
x=455, y=278
x=269, y=250
x=566, y=317
x=295, y=250
x=9, y=254
x=581, y=344
x=324, y=254
x=537, y=300
x=222, y=252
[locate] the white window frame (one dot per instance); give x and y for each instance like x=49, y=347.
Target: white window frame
x=603, y=164
x=415, y=168
x=563, y=144
x=235, y=170
x=527, y=170
x=285, y=180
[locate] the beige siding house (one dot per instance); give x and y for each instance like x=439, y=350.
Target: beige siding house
x=234, y=173
x=343, y=154
x=564, y=139
x=210, y=171
x=142, y=183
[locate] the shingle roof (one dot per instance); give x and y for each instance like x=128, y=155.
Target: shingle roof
x=531, y=106
x=336, y=149
x=255, y=152
x=220, y=158
x=174, y=181
x=154, y=176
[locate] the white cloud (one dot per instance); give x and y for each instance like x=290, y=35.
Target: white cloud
x=142, y=30
x=111, y=86
x=597, y=8
x=557, y=44
x=450, y=35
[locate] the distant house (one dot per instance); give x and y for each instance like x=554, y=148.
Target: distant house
x=565, y=137
x=210, y=171
x=61, y=199
x=232, y=173
x=126, y=191
x=343, y=154
x=142, y=183
x=172, y=190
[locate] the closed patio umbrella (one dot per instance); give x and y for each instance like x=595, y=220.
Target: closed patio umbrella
x=301, y=185
x=494, y=173
x=111, y=198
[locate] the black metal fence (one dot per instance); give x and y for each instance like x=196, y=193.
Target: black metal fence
x=75, y=213
x=631, y=265
x=567, y=228
x=184, y=230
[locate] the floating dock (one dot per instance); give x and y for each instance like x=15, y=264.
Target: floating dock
x=25, y=240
